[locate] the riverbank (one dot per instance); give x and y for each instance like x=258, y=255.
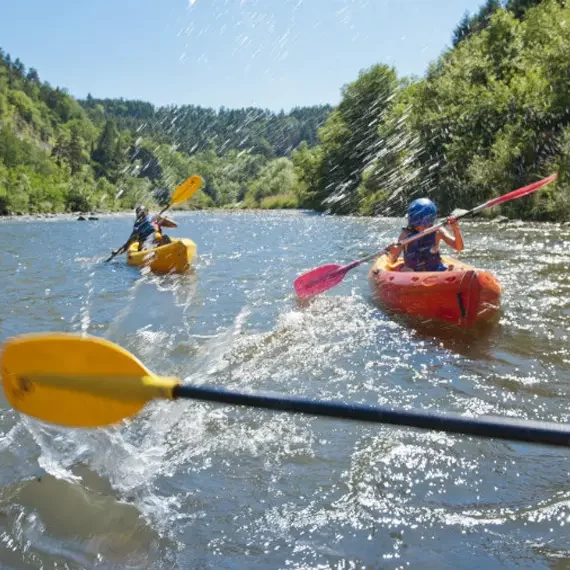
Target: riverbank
x=94, y=216
x=62, y=216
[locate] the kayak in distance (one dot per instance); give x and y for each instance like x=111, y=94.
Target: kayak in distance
x=463, y=295
x=174, y=257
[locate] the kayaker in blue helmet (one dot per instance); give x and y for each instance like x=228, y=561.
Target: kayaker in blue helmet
x=147, y=231
x=423, y=254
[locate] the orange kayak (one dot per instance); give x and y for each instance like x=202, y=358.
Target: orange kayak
x=462, y=295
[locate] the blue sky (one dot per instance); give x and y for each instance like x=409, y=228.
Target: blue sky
x=275, y=54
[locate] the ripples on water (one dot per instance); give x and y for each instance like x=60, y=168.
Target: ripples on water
x=192, y=485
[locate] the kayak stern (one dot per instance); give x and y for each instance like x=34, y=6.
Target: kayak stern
x=175, y=257
x=462, y=295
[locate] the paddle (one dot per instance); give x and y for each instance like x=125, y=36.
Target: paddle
x=184, y=192
x=326, y=277
x=88, y=382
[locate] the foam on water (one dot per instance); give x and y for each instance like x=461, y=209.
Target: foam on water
x=189, y=484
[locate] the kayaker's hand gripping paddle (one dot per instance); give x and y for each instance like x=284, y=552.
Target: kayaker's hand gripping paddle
x=326, y=277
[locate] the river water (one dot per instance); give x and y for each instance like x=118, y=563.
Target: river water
x=194, y=485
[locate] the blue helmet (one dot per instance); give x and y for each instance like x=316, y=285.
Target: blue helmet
x=422, y=212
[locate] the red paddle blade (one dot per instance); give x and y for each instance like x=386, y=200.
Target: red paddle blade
x=319, y=280
x=520, y=192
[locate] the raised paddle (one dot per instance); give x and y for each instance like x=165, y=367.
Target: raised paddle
x=88, y=382
x=326, y=277
x=184, y=192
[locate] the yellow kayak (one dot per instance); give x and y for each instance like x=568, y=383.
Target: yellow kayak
x=174, y=257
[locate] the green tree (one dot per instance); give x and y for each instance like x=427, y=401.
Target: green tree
x=60, y=149
x=278, y=178
x=473, y=24
x=107, y=153
x=519, y=7
x=75, y=152
x=350, y=142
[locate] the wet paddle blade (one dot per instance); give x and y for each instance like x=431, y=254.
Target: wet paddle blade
x=525, y=191
x=186, y=190
x=76, y=381
x=45, y=376
x=319, y=280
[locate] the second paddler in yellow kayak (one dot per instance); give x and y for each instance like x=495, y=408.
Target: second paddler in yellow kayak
x=147, y=231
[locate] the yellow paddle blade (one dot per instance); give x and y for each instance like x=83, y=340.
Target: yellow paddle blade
x=186, y=190
x=166, y=223
x=77, y=381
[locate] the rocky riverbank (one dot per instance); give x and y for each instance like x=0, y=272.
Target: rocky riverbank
x=63, y=216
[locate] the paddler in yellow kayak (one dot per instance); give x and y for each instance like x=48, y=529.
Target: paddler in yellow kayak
x=423, y=254
x=147, y=231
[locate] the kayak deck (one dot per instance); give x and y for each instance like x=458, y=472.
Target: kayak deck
x=175, y=257
x=462, y=295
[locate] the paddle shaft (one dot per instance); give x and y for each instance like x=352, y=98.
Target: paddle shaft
x=415, y=237
x=490, y=203
x=164, y=209
x=113, y=254
x=513, y=429
x=82, y=381
x=123, y=248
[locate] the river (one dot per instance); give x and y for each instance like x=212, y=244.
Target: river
x=194, y=485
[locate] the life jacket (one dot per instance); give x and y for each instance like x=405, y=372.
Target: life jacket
x=145, y=227
x=422, y=254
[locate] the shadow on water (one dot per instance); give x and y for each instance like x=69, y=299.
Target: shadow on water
x=81, y=521
x=500, y=344
x=301, y=303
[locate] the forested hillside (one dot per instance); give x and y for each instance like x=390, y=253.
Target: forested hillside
x=491, y=115
x=57, y=154
x=194, y=129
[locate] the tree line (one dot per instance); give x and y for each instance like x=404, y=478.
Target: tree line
x=59, y=154
x=490, y=115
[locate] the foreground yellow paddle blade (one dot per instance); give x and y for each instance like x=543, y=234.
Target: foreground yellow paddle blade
x=81, y=381
x=186, y=190
x=77, y=381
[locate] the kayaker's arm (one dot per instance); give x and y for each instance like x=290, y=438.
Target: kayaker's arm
x=125, y=246
x=455, y=241
x=394, y=250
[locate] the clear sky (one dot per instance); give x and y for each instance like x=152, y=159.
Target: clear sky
x=275, y=54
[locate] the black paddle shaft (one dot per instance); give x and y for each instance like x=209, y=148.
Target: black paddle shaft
x=548, y=433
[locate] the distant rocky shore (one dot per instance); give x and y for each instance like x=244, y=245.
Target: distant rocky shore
x=64, y=216
x=94, y=216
